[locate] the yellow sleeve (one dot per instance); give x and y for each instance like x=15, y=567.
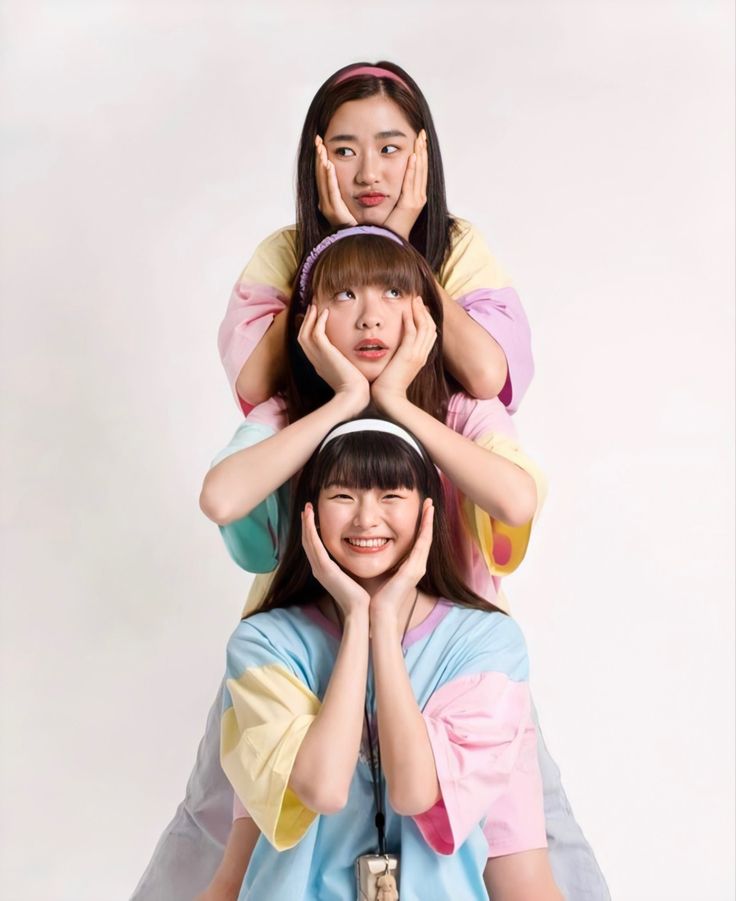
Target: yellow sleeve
x=260, y=737
x=470, y=264
x=503, y=546
x=274, y=262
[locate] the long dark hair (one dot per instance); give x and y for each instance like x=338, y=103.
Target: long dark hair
x=431, y=232
x=354, y=261
x=360, y=460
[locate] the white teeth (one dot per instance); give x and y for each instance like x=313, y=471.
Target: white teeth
x=367, y=542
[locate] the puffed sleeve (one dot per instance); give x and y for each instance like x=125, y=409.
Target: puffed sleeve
x=254, y=541
x=480, y=728
x=473, y=277
x=262, y=291
x=503, y=546
x=487, y=423
x=267, y=712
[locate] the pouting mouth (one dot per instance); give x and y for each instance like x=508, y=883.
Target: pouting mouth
x=367, y=542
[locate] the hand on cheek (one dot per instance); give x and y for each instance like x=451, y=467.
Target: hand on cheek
x=413, y=197
x=419, y=334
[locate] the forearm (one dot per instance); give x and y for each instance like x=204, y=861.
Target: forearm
x=325, y=764
x=498, y=486
x=526, y=876
x=471, y=355
x=237, y=484
x=263, y=373
x=226, y=882
x=406, y=752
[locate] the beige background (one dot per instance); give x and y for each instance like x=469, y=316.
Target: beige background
x=147, y=147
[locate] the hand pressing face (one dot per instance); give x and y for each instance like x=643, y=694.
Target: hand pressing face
x=369, y=142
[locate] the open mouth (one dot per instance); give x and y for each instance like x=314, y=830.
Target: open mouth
x=371, y=349
x=366, y=545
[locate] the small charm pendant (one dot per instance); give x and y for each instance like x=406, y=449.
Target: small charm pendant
x=387, y=889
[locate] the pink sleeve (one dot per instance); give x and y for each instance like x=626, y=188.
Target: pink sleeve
x=249, y=313
x=480, y=729
x=500, y=313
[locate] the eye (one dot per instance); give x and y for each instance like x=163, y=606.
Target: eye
x=392, y=496
x=344, y=152
x=347, y=294
x=340, y=496
x=394, y=293
x=390, y=148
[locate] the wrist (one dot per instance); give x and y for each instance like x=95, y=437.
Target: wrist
x=350, y=401
x=385, y=623
x=389, y=400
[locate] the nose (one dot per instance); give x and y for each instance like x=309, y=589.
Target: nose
x=367, y=173
x=366, y=514
x=370, y=315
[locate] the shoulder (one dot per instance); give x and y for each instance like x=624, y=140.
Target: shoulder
x=283, y=239
x=264, y=638
x=275, y=260
x=490, y=641
x=253, y=430
x=469, y=265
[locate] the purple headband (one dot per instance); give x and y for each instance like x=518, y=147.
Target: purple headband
x=376, y=71
x=317, y=252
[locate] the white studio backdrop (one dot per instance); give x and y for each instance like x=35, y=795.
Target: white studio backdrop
x=147, y=147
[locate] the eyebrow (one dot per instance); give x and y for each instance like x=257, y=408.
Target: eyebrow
x=393, y=133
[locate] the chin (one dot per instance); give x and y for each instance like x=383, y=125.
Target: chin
x=376, y=215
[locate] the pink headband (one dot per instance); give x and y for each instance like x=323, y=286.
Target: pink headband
x=376, y=71
x=317, y=252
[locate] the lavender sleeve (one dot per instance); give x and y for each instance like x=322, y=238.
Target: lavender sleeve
x=500, y=313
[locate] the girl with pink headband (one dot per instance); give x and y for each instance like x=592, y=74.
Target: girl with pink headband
x=369, y=155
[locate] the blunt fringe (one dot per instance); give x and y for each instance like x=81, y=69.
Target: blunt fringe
x=355, y=261
x=363, y=460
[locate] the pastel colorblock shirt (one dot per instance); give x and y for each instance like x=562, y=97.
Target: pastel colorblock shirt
x=470, y=275
x=486, y=548
x=469, y=671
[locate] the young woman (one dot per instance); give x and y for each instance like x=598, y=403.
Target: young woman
x=365, y=123
x=377, y=710
x=369, y=155
x=362, y=327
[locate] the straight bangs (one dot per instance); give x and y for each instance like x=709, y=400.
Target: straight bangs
x=365, y=460
x=362, y=260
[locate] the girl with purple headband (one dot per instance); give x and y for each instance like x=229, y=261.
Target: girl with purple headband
x=368, y=154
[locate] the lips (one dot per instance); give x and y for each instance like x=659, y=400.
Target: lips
x=370, y=199
x=366, y=545
x=370, y=349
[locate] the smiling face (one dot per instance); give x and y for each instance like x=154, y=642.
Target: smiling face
x=370, y=142
x=368, y=531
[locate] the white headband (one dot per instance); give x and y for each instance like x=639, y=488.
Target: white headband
x=371, y=425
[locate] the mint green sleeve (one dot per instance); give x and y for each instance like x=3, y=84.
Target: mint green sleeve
x=255, y=540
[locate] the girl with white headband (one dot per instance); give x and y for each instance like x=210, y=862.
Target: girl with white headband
x=377, y=719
